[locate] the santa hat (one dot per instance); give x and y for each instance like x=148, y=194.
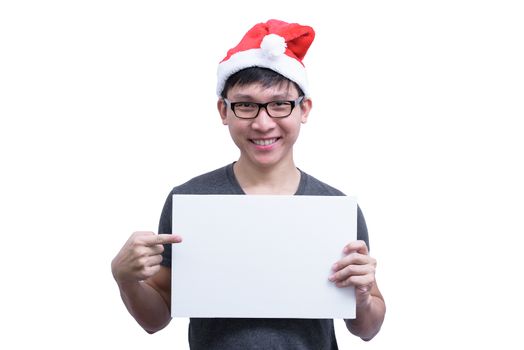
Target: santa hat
x=276, y=45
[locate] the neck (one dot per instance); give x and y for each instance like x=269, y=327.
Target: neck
x=279, y=179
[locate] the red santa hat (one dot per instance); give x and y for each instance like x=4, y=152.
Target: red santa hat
x=276, y=45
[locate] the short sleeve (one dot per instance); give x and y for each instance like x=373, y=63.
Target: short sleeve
x=165, y=227
x=362, y=229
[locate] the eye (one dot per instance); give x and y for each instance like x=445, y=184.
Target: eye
x=280, y=105
x=245, y=106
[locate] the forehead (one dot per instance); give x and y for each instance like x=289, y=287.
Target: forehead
x=258, y=90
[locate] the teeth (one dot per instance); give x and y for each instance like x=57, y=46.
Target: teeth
x=264, y=142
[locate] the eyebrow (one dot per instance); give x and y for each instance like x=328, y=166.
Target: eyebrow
x=250, y=98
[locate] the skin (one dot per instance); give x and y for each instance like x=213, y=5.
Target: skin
x=145, y=285
x=357, y=268
x=265, y=169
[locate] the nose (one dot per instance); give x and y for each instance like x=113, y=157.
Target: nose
x=263, y=121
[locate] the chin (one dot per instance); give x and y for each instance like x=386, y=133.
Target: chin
x=266, y=163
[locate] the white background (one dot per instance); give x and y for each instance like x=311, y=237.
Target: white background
x=106, y=105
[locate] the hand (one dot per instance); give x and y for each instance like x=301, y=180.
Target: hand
x=141, y=255
x=356, y=269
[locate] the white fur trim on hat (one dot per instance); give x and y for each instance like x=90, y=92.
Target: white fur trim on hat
x=289, y=67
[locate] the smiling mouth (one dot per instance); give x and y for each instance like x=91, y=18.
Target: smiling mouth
x=265, y=142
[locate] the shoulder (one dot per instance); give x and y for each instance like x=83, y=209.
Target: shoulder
x=202, y=184
x=217, y=181
x=313, y=186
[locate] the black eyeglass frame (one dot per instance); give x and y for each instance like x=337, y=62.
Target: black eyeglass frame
x=293, y=104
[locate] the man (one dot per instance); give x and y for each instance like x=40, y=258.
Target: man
x=263, y=99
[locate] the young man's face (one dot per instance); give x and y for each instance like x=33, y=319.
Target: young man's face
x=264, y=141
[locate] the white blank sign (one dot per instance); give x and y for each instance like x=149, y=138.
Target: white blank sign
x=261, y=256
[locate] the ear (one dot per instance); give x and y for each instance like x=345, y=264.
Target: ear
x=222, y=110
x=305, y=108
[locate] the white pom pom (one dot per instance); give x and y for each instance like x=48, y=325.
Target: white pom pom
x=273, y=45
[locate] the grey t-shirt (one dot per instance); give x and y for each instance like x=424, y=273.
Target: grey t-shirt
x=264, y=333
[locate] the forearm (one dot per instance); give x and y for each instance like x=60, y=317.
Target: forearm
x=369, y=318
x=146, y=305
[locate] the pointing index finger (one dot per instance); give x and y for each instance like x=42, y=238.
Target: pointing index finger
x=162, y=238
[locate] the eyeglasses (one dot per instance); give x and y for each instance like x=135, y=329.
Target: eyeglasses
x=275, y=109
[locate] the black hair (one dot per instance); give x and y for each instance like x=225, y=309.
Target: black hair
x=264, y=76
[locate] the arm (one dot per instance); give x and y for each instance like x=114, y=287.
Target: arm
x=370, y=316
x=357, y=268
x=145, y=285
